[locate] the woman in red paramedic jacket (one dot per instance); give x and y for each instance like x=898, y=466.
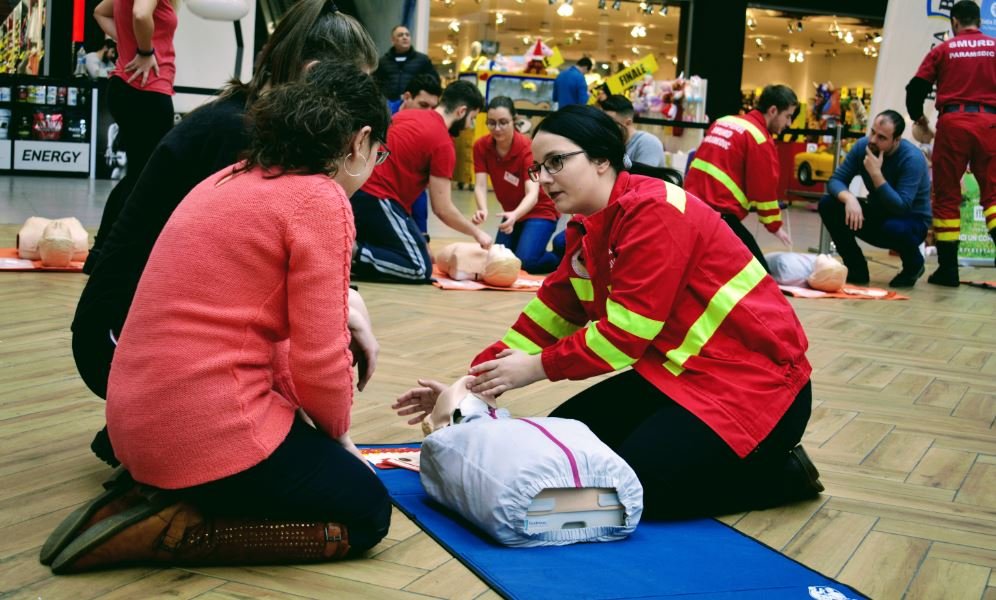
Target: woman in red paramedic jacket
x=712, y=411
x=529, y=217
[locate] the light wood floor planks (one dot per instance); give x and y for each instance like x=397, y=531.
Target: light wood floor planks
x=902, y=430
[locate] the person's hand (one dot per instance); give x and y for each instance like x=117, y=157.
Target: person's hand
x=508, y=222
x=346, y=442
x=365, y=349
x=419, y=401
x=854, y=217
x=783, y=237
x=480, y=216
x=142, y=66
x=483, y=239
x=873, y=164
x=510, y=370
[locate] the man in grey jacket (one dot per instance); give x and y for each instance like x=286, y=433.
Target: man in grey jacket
x=641, y=147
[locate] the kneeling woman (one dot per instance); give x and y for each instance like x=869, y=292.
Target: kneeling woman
x=529, y=218
x=236, y=340
x=718, y=397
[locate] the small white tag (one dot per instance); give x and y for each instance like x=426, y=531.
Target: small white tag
x=511, y=178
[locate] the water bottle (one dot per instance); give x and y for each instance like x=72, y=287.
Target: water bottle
x=80, y=62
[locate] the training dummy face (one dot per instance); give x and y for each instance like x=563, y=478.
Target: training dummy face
x=828, y=274
x=466, y=261
x=453, y=405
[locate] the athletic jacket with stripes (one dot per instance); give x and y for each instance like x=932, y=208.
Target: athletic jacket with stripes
x=657, y=281
x=735, y=169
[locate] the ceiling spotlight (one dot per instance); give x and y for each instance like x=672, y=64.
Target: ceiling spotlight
x=759, y=42
x=636, y=50
x=662, y=11
x=674, y=60
x=617, y=5
x=798, y=25
x=791, y=28
x=605, y=66
x=791, y=57
x=526, y=40
x=565, y=10
x=848, y=38
x=601, y=4
x=454, y=26
x=499, y=18
x=878, y=38
x=551, y=2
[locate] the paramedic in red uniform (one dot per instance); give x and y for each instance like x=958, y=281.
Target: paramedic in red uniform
x=735, y=147
x=711, y=413
x=964, y=69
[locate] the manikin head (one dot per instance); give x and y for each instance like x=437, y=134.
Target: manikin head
x=778, y=104
x=886, y=132
x=454, y=404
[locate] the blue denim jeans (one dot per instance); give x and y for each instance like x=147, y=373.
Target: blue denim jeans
x=528, y=241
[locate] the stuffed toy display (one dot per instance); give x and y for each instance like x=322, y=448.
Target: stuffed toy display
x=54, y=242
x=526, y=482
x=826, y=104
x=465, y=261
x=535, y=56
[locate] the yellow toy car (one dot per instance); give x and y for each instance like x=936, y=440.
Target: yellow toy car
x=813, y=167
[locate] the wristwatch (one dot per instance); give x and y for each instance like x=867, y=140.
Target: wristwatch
x=150, y=52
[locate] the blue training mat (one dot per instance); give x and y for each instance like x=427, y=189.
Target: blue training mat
x=696, y=559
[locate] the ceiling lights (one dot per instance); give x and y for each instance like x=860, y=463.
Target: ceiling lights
x=638, y=31
x=565, y=9
x=617, y=5
x=796, y=56
x=499, y=18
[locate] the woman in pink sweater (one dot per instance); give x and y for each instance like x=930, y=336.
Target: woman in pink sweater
x=237, y=341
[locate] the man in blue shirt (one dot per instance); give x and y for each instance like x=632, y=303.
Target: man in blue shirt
x=895, y=214
x=570, y=86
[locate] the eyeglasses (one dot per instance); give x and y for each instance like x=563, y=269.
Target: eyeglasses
x=498, y=124
x=382, y=154
x=553, y=165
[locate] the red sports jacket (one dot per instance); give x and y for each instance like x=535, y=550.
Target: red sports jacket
x=656, y=281
x=736, y=169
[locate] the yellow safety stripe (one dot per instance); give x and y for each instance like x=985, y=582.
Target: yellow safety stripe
x=715, y=313
x=516, y=341
x=947, y=222
x=582, y=287
x=605, y=350
x=675, y=196
x=723, y=178
x=773, y=205
x=768, y=218
x=548, y=319
x=631, y=322
x=947, y=236
x=989, y=211
x=759, y=136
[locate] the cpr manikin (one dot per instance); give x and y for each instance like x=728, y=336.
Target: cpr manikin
x=55, y=242
x=539, y=481
x=497, y=266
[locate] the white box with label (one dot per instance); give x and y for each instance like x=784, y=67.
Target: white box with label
x=5, y=148
x=51, y=156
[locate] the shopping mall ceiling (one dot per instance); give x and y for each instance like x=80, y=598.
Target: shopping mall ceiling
x=611, y=36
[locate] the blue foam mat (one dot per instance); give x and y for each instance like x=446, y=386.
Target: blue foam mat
x=696, y=559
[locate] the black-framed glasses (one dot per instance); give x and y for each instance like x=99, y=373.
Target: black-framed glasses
x=382, y=154
x=553, y=164
x=502, y=124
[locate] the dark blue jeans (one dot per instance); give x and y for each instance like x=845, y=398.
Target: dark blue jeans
x=389, y=246
x=309, y=477
x=528, y=241
x=420, y=212
x=902, y=233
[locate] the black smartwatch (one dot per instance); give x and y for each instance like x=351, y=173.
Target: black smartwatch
x=150, y=52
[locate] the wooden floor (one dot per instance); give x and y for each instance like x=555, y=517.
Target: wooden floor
x=902, y=430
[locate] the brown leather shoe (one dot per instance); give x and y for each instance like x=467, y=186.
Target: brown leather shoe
x=179, y=534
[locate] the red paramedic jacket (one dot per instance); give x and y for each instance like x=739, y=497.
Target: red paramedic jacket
x=656, y=281
x=736, y=169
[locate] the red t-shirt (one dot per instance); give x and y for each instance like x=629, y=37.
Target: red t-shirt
x=421, y=147
x=508, y=175
x=164, y=20
x=964, y=68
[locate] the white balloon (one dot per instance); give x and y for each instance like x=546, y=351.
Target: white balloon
x=219, y=10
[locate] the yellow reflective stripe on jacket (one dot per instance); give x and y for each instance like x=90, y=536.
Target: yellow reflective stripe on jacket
x=759, y=136
x=605, y=350
x=768, y=218
x=675, y=196
x=947, y=236
x=582, y=287
x=715, y=313
x=988, y=212
x=548, y=319
x=947, y=222
x=772, y=205
x=631, y=322
x=720, y=176
x=516, y=341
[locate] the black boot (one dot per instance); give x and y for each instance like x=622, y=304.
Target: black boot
x=857, y=269
x=912, y=268
x=947, y=265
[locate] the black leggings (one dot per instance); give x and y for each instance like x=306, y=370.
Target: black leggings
x=738, y=228
x=686, y=469
x=143, y=118
x=309, y=477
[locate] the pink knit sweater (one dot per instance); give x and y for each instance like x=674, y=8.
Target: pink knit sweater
x=239, y=319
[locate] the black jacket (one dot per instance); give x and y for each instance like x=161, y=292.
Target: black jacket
x=396, y=70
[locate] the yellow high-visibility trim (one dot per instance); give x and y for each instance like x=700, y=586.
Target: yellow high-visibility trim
x=759, y=136
x=989, y=211
x=548, y=319
x=947, y=236
x=947, y=222
x=516, y=341
x=631, y=322
x=768, y=218
x=605, y=350
x=675, y=196
x=722, y=302
x=583, y=288
x=720, y=176
x=772, y=205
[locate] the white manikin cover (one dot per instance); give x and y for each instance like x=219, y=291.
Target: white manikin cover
x=489, y=470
